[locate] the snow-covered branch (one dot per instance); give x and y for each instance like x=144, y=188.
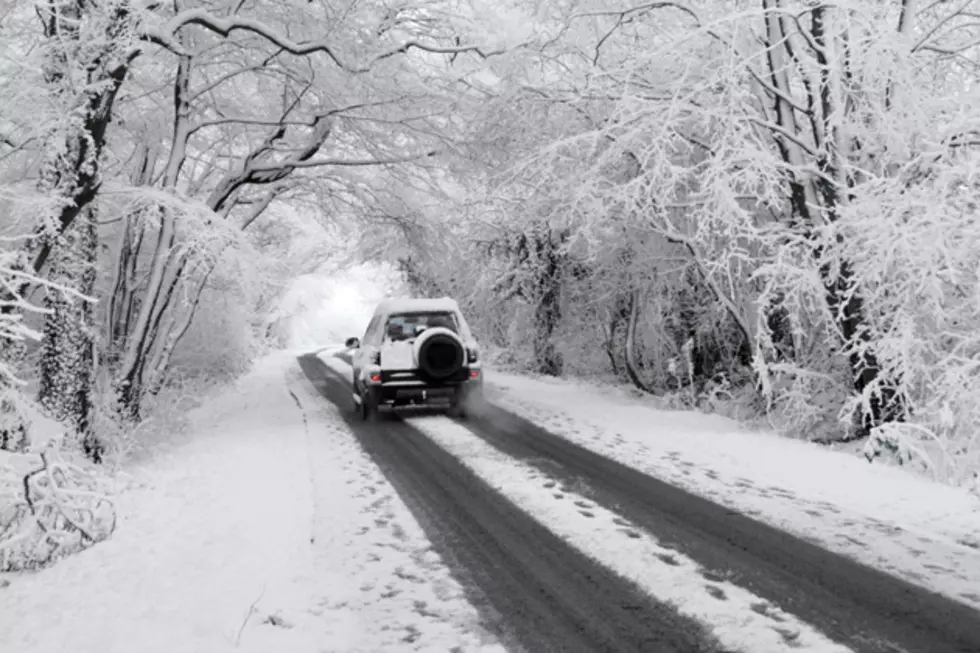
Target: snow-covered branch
x=166, y=35
x=344, y=162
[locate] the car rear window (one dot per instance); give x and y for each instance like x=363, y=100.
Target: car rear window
x=405, y=326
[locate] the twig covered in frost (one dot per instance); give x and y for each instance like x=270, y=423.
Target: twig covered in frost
x=251, y=611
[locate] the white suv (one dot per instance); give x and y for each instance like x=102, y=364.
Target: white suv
x=416, y=352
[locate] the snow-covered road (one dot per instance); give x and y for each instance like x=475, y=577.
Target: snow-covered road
x=921, y=531
x=284, y=523
x=268, y=529
x=704, y=560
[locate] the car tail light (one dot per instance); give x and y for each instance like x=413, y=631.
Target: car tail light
x=375, y=377
x=376, y=357
x=472, y=354
x=474, y=373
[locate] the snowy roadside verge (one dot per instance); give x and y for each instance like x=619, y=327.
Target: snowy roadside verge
x=265, y=530
x=211, y=551
x=885, y=517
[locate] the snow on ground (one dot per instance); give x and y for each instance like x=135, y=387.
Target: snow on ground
x=391, y=587
x=922, y=531
x=269, y=530
x=883, y=516
x=328, y=357
x=737, y=622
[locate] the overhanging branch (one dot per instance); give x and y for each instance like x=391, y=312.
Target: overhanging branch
x=166, y=36
x=315, y=163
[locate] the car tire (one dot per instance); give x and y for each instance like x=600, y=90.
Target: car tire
x=357, y=399
x=456, y=410
x=369, y=407
x=459, y=408
x=474, y=402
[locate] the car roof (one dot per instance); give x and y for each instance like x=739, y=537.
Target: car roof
x=413, y=305
x=395, y=305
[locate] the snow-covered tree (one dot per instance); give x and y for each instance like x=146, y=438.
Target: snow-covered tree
x=775, y=190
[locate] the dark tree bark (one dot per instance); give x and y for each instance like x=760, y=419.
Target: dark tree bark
x=67, y=356
x=547, y=313
x=819, y=201
x=71, y=170
x=632, y=364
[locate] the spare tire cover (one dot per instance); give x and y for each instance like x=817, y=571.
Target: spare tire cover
x=439, y=354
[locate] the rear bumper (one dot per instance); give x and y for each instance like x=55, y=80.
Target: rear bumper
x=413, y=392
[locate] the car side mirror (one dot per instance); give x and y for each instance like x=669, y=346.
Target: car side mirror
x=352, y=343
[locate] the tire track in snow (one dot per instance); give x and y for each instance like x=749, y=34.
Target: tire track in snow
x=860, y=606
x=537, y=593
x=739, y=619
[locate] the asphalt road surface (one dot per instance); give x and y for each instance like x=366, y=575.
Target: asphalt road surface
x=539, y=595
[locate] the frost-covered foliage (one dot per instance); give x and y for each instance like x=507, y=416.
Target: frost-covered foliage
x=190, y=134
x=779, y=196
x=153, y=160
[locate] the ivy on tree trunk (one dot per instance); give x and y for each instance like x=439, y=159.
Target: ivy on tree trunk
x=67, y=364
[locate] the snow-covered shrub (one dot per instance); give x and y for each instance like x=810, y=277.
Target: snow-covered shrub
x=50, y=506
x=53, y=501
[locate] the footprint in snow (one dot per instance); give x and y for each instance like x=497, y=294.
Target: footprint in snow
x=716, y=592
x=712, y=576
x=852, y=540
x=791, y=637
x=766, y=610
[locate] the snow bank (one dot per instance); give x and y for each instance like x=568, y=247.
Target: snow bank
x=883, y=516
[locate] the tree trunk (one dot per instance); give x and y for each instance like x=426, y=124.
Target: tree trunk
x=885, y=405
x=123, y=301
x=67, y=359
x=818, y=203
x=71, y=169
x=632, y=365
x=547, y=314
x=611, y=331
x=176, y=332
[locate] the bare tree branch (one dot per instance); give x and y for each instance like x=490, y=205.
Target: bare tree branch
x=315, y=163
x=166, y=36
